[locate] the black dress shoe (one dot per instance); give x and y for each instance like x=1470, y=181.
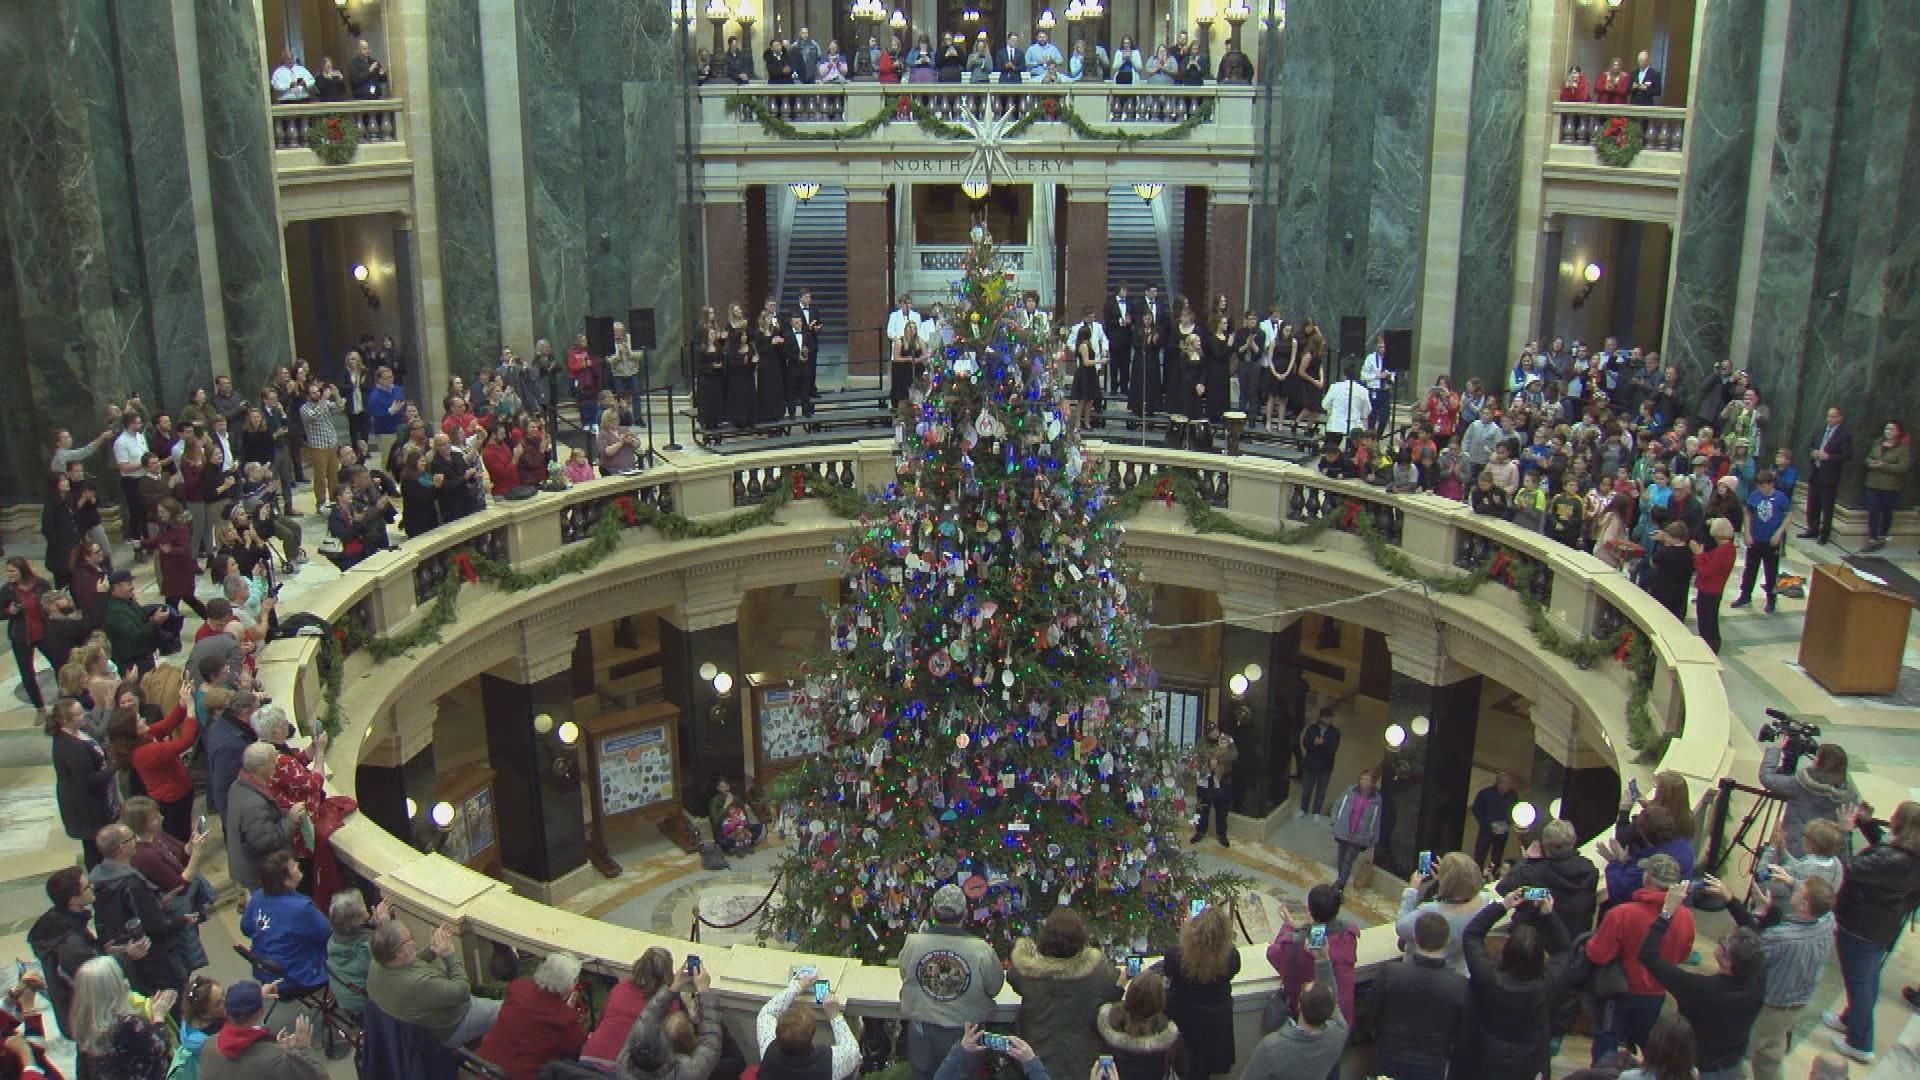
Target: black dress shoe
x=1807, y=536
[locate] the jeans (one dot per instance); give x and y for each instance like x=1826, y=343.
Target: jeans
x=1313, y=790
x=1860, y=964
x=1760, y=556
x=928, y=1045
x=1488, y=848
x=23, y=655
x=1627, y=1020
x=627, y=386
x=1349, y=854
x=1213, y=800
x=1880, y=512
x=481, y=1013
x=589, y=411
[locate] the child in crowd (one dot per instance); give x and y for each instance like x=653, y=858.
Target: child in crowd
x=1530, y=505
x=579, y=471
x=1489, y=498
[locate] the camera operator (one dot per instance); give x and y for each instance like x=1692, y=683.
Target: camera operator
x=259, y=506
x=360, y=519
x=1811, y=789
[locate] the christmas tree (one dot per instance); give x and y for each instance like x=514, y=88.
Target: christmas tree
x=985, y=702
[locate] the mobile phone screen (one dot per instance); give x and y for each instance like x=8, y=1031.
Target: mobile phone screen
x=1317, y=937
x=1196, y=907
x=1133, y=966
x=821, y=987
x=693, y=965
x=1426, y=862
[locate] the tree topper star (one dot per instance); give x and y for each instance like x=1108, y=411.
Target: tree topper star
x=989, y=134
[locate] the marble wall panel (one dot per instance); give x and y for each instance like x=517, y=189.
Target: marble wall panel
x=162, y=197
x=1496, y=126
x=1351, y=161
x=653, y=210
x=462, y=190
x=1707, y=249
x=240, y=171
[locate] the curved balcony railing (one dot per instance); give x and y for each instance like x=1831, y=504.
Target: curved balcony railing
x=1581, y=596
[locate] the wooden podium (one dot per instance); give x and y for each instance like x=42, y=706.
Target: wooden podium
x=1854, y=632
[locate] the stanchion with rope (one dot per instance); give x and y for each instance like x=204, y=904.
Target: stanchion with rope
x=700, y=920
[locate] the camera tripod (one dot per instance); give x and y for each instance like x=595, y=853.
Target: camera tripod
x=1765, y=812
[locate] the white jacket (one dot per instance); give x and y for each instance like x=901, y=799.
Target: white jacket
x=1347, y=407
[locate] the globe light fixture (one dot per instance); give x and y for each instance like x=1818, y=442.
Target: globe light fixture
x=1592, y=272
x=569, y=733
x=359, y=271
x=442, y=814
x=1422, y=725
x=1524, y=815
x=1396, y=736
x=723, y=684
x=1238, y=685
x=708, y=671
x=1253, y=672
x=542, y=723
x=413, y=809
x=1553, y=808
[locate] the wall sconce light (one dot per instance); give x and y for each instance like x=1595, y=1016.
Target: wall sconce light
x=556, y=745
x=1046, y=21
x=1148, y=190
x=430, y=832
x=568, y=734
x=1238, y=685
x=975, y=189
x=804, y=190
x=346, y=20
x=1606, y=24
x=1524, y=815
x=360, y=275
x=442, y=815
x=970, y=15
x=898, y=20
x=722, y=692
x=707, y=671
x=1591, y=273
x=543, y=724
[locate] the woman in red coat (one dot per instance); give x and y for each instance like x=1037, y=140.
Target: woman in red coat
x=1613, y=83
x=1711, y=567
x=173, y=542
x=153, y=751
x=497, y=457
x=1576, y=86
x=1442, y=411
x=540, y=1021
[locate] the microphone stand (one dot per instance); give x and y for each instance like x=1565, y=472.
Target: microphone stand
x=646, y=396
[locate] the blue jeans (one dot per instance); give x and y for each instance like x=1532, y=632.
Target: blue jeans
x=1860, y=964
x=627, y=386
x=1880, y=512
x=927, y=1047
x=1627, y=1020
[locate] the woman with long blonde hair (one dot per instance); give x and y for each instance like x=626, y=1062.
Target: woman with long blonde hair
x=119, y=1034
x=1199, y=973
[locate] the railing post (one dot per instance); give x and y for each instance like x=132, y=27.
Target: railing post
x=536, y=534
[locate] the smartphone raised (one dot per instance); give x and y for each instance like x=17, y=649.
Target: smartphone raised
x=821, y=988
x=1195, y=907
x=1317, y=936
x=994, y=1042
x=1133, y=965
x=1633, y=789
x=1426, y=862
x=693, y=964
x=201, y=826
x=1537, y=893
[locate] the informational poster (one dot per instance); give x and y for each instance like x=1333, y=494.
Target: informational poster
x=636, y=770
x=476, y=817
x=786, y=732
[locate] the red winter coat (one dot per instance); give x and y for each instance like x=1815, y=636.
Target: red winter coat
x=1625, y=927
x=177, y=565
x=1711, y=569
x=534, y=1027
x=158, y=760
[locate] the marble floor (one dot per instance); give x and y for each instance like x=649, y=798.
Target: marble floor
x=660, y=886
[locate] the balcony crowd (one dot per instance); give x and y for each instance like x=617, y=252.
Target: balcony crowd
x=956, y=58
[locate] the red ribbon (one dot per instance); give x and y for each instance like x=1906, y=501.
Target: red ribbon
x=625, y=503
x=1349, y=514
x=1163, y=490
x=464, y=562
x=1626, y=642
x=799, y=484
x=1501, y=570
x=903, y=107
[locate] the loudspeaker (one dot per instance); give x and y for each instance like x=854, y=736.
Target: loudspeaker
x=640, y=328
x=1353, y=337
x=1399, y=356
x=600, y=335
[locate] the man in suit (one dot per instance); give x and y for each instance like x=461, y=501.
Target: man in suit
x=806, y=57
x=802, y=352
x=1829, y=448
x=1645, y=88
x=1119, y=319
x=811, y=321
x=1012, y=60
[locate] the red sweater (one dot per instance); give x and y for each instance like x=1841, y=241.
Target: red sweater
x=1625, y=927
x=1711, y=569
x=158, y=760
x=501, y=474
x=535, y=1027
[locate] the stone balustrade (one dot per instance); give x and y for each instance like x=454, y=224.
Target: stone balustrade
x=1664, y=129
x=1656, y=170
x=379, y=121
x=1582, y=597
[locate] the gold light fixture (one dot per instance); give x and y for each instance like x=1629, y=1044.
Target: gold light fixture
x=1276, y=18
x=804, y=190
x=1148, y=190
x=1046, y=20
x=975, y=189
x=1237, y=12
x=898, y=20
x=1606, y=24
x=360, y=275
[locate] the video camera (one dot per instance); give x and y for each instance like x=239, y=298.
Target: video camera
x=1802, y=739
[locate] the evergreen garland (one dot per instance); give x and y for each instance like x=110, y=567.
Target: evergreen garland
x=906, y=107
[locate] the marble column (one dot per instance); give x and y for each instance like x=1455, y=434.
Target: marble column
x=726, y=236
x=1708, y=244
x=1497, y=128
x=1429, y=780
x=711, y=742
x=463, y=186
x=1227, y=247
x=867, y=305
x=1265, y=723
x=253, y=278
x=1351, y=158
x=406, y=292
x=1086, y=252
x=397, y=765
x=543, y=830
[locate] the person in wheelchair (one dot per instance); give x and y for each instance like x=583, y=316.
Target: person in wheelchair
x=289, y=934
x=349, y=950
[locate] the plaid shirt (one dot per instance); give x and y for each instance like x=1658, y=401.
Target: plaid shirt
x=317, y=418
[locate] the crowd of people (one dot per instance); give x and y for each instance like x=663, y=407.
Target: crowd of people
x=1606, y=451
x=955, y=57
x=365, y=78
x=762, y=373
x=1616, y=85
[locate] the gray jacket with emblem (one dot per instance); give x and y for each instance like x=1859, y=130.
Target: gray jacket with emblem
x=948, y=977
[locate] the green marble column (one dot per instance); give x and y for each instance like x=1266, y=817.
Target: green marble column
x=241, y=178
x=602, y=111
x=1707, y=247
x=1356, y=101
x=1496, y=128
x=462, y=190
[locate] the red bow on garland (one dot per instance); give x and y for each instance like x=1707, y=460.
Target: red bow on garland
x=799, y=484
x=1050, y=108
x=1349, y=514
x=625, y=505
x=1502, y=567
x=903, y=107
x=463, y=561
x=1626, y=643
x=1163, y=490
